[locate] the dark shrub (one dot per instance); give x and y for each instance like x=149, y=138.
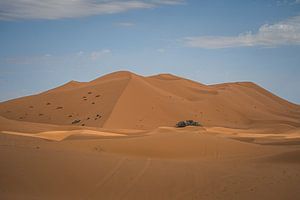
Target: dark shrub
x=76, y=121
x=195, y=124
x=192, y=123
x=187, y=123
x=181, y=124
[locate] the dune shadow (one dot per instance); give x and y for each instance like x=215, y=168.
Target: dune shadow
x=286, y=157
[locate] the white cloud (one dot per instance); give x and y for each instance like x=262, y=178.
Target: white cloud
x=56, y=9
x=270, y=35
x=99, y=54
x=287, y=2
x=295, y=2
x=169, y=2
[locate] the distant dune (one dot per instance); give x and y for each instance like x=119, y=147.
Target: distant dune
x=127, y=100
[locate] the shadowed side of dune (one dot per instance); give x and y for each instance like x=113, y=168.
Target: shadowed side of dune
x=285, y=157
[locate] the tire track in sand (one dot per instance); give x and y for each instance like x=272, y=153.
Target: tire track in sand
x=106, y=178
x=136, y=178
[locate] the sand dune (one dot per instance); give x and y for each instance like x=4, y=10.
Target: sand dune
x=127, y=100
x=114, y=138
x=165, y=163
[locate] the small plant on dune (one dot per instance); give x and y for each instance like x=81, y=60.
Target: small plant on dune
x=76, y=121
x=181, y=124
x=192, y=123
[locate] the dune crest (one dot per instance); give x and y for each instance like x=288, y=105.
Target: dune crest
x=61, y=135
x=127, y=100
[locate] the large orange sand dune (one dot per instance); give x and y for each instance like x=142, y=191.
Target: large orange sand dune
x=126, y=100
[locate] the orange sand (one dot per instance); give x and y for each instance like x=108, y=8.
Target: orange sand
x=128, y=148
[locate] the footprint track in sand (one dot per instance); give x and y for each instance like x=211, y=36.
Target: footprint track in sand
x=106, y=178
x=136, y=178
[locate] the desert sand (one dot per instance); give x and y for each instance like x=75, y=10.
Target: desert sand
x=114, y=138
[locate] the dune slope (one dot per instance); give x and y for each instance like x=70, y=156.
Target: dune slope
x=126, y=100
x=166, y=163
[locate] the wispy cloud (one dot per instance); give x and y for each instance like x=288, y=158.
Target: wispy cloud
x=48, y=58
x=169, y=2
x=56, y=9
x=99, y=54
x=26, y=60
x=286, y=32
x=287, y=2
x=125, y=24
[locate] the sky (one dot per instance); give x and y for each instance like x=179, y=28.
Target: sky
x=44, y=44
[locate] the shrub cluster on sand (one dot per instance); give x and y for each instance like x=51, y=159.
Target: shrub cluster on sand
x=76, y=121
x=181, y=124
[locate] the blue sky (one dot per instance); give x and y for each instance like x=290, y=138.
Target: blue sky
x=47, y=43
